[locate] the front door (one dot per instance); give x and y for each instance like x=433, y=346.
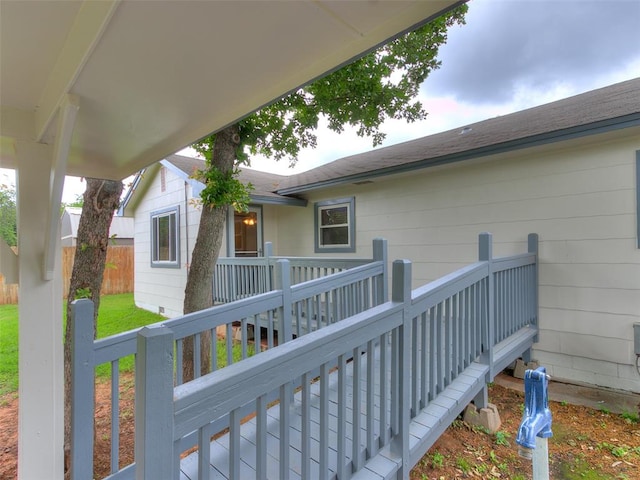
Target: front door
x=247, y=233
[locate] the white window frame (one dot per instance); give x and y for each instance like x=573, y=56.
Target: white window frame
x=319, y=207
x=174, y=238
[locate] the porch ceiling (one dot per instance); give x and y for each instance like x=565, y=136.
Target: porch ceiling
x=152, y=77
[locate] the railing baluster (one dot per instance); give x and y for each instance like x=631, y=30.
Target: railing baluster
x=306, y=426
x=384, y=389
x=204, y=451
x=214, y=349
x=324, y=422
x=244, y=337
x=455, y=339
x=356, y=436
x=424, y=358
x=439, y=348
x=285, y=424
x=115, y=416
x=342, y=417
x=415, y=368
x=433, y=352
x=229, y=343
x=196, y=355
x=371, y=391
x=179, y=360
x=261, y=440
x=234, y=444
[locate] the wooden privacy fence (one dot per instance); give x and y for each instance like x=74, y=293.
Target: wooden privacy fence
x=118, y=274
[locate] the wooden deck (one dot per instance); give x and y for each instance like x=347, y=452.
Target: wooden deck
x=425, y=427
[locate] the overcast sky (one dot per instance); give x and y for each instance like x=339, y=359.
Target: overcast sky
x=510, y=55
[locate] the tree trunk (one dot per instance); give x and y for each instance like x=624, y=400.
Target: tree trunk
x=198, y=291
x=101, y=198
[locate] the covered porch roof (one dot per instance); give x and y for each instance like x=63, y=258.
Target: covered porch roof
x=149, y=78
x=105, y=88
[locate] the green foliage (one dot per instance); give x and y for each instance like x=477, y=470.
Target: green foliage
x=78, y=202
x=437, y=460
x=223, y=189
x=379, y=86
x=8, y=224
x=631, y=417
x=83, y=293
x=463, y=464
x=502, y=438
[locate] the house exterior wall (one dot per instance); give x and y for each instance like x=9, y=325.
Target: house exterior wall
x=162, y=289
x=579, y=196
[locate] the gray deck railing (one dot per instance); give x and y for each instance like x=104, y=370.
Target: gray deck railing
x=405, y=370
x=235, y=278
x=260, y=321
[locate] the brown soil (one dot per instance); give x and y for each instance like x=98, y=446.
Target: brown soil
x=587, y=444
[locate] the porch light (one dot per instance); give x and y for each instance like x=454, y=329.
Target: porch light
x=249, y=221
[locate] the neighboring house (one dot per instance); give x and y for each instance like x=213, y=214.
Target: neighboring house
x=121, y=231
x=568, y=170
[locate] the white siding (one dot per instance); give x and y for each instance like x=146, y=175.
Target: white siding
x=581, y=202
x=162, y=289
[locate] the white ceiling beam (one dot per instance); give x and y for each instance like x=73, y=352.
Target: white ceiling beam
x=66, y=122
x=86, y=31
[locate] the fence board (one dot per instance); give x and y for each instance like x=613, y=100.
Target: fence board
x=118, y=274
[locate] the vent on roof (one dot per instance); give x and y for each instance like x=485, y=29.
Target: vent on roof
x=465, y=130
x=363, y=182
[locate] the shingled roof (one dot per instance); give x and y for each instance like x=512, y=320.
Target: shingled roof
x=613, y=107
x=265, y=184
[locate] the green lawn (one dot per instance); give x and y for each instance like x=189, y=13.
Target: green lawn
x=117, y=314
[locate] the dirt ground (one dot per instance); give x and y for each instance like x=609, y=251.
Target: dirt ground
x=587, y=444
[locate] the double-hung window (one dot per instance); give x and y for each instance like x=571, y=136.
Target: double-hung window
x=335, y=226
x=165, y=236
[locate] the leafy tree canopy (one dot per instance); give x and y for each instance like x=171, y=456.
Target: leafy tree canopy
x=8, y=224
x=363, y=94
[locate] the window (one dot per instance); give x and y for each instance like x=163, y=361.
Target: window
x=165, y=247
x=335, y=226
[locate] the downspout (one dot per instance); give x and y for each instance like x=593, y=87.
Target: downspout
x=186, y=224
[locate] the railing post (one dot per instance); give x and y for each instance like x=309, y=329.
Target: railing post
x=401, y=365
x=532, y=243
x=485, y=254
x=283, y=282
x=154, y=404
x=380, y=255
x=268, y=253
x=82, y=389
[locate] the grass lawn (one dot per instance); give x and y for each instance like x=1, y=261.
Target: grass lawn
x=117, y=314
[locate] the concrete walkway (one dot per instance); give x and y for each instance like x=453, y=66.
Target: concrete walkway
x=614, y=401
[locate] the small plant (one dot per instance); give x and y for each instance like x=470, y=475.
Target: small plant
x=463, y=465
x=564, y=403
x=83, y=293
x=605, y=410
x=437, y=460
x=631, y=417
x=502, y=438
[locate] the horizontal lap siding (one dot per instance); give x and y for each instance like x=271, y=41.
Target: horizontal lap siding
x=162, y=287
x=581, y=202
